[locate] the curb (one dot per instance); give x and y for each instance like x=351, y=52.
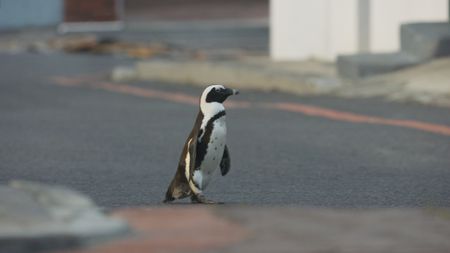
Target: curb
x=425, y=84
x=256, y=74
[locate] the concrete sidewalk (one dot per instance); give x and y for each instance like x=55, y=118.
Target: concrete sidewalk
x=180, y=228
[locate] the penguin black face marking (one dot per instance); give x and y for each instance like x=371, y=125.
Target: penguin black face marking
x=212, y=98
x=219, y=94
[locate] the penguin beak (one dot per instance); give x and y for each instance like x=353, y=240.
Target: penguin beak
x=230, y=92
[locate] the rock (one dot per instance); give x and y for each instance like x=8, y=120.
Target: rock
x=427, y=83
x=426, y=40
x=35, y=217
x=364, y=65
x=120, y=74
x=420, y=42
x=77, y=43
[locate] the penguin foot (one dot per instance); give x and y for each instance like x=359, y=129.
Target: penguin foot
x=168, y=200
x=200, y=199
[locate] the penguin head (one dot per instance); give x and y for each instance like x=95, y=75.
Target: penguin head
x=213, y=96
x=217, y=93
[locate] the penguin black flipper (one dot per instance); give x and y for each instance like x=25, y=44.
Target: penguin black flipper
x=225, y=163
x=181, y=185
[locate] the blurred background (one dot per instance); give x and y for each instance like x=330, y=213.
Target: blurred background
x=364, y=38
x=324, y=29
x=339, y=139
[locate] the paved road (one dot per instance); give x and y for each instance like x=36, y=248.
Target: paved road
x=122, y=149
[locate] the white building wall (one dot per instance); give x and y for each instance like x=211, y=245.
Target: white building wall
x=343, y=28
x=301, y=29
x=388, y=15
x=297, y=29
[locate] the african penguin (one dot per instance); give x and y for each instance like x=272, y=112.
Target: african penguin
x=205, y=149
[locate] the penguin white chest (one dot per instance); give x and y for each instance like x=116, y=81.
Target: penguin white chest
x=214, y=151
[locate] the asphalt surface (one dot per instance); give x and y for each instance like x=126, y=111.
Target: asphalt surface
x=123, y=150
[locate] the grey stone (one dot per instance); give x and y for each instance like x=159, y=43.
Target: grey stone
x=120, y=74
x=426, y=40
x=420, y=42
x=36, y=217
x=365, y=64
